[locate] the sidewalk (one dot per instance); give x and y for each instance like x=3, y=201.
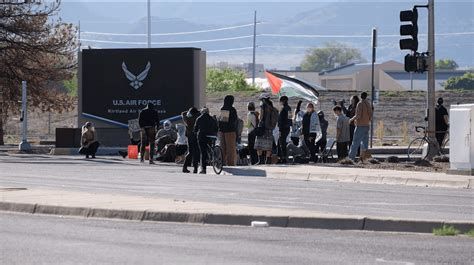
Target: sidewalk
x=360, y=175
x=94, y=205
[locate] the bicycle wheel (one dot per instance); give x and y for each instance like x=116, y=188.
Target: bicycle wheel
x=443, y=148
x=218, y=159
x=415, y=148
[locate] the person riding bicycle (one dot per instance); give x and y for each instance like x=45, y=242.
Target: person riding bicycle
x=205, y=126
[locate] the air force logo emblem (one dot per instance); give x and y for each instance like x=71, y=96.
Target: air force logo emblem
x=136, y=81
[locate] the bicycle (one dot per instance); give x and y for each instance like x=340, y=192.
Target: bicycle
x=445, y=143
x=215, y=155
x=416, y=145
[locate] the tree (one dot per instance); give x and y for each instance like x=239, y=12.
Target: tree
x=333, y=54
x=465, y=81
x=446, y=64
x=38, y=48
x=227, y=79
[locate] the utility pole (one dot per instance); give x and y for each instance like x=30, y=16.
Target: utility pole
x=433, y=148
x=254, y=46
x=79, y=33
x=374, y=47
x=149, y=23
x=24, y=145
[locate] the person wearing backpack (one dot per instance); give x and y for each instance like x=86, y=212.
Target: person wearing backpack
x=264, y=132
x=284, y=124
x=311, y=130
x=228, y=123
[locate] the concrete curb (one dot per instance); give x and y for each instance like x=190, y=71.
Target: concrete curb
x=380, y=179
x=337, y=223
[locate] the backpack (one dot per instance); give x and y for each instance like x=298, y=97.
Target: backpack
x=273, y=118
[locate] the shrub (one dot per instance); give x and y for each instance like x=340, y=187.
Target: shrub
x=221, y=80
x=465, y=82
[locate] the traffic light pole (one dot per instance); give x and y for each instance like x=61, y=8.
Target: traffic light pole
x=433, y=148
x=374, y=47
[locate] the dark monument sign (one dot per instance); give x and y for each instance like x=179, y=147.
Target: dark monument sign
x=117, y=83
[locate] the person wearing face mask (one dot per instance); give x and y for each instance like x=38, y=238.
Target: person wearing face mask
x=89, y=143
x=284, y=124
x=165, y=136
x=311, y=130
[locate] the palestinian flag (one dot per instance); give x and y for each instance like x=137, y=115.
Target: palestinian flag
x=291, y=87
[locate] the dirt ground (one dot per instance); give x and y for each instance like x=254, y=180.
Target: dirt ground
x=437, y=167
x=395, y=115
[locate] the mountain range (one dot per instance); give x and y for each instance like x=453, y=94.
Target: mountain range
x=335, y=21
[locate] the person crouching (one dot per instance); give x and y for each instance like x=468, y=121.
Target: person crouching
x=89, y=143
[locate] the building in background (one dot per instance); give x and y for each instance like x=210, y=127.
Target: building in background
x=401, y=80
x=356, y=77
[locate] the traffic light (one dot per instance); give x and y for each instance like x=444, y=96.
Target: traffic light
x=416, y=63
x=410, y=63
x=409, y=29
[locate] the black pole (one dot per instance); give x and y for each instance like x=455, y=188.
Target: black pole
x=374, y=46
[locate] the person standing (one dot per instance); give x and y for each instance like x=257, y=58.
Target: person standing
x=228, y=131
x=311, y=130
x=350, y=113
x=148, y=120
x=362, y=119
x=297, y=124
x=442, y=122
x=189, y=118
x=205, y=126
x=284, y=125
x=252, y=123
x=89, y=143
x=321, y=143
x=342, y=133
x=268, y=122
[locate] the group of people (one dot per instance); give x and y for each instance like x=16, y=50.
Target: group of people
x=199, y=125
x=274, y=133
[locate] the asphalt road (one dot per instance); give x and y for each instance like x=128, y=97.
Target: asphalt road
x=117, y=176
x=36, y=239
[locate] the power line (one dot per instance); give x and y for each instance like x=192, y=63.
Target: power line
x=230, y=50
x=357, y=36
x=168, y=42
x=170, y=33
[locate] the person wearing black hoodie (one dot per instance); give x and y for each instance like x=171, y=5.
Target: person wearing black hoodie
x=148, y=120
x=205, y=126
x=228, y=131
x=189, y=118
x=284, y=124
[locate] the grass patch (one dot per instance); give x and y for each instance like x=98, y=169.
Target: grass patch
x=446, y=231
x=470, y=233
